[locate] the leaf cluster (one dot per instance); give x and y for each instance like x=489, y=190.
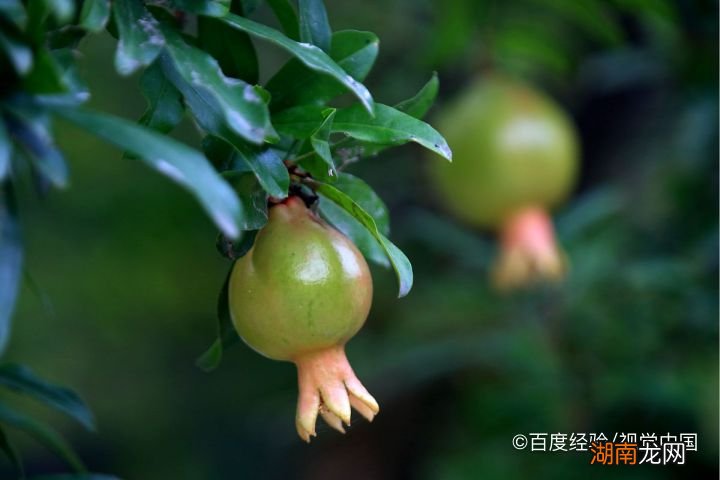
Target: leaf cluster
x=197, y=60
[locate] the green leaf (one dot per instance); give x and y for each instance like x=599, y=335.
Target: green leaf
x=388, y=127
x=315, y=166
x=268, y=167
x=141, y=40
x=43, y=434
x=416, y=107
x=355, y=51
x=299, y=122
x=234, y=168
x=21, y=379
x=5, y=150
x=222, y=155
x=11, y=453
x=227, y=336
x=225, y=107
x=212, y=8
x=285, y=13
x=253, y=199
x=31, y=129
x=319, y=141
x=20, y=55
x=400, y=263
x=11, y=260
x=354, y=230
x=364, y=196
x=420, y=103
x=94, y=15
x=165, y=108
x=240, y=61
x=310, y=55
x=175, y=160
x=238, y=172
x=314, y=24
x=294, y=84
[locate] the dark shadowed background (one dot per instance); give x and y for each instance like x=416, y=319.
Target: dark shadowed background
x=124, y=273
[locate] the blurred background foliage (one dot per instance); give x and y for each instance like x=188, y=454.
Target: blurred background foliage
x=123, y=273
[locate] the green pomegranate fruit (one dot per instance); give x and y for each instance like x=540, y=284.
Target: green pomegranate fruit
x=515, y=156
x=299, y=295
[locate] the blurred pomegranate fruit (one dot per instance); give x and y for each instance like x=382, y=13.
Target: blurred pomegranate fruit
x=515, y=158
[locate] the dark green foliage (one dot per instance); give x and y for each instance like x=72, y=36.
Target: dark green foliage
x=213, y=76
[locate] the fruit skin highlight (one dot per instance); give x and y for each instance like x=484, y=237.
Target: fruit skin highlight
x=299, y=295
x=515, y=156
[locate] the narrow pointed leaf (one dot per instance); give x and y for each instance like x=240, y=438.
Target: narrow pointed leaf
x=141, y=40
x=237, y=172
x=299, y=122
x=310, y=55
x=390, y=127
x=269, y=169
x=223, y=106
x=95, y=15
x=417, y=106
x=420, y=103
x=314, y=24
x=320, y=141
x=355, y=231
x=400, y=263
x=175, y=160
x=11, y=260
x=364, y=196
x=253, y=200
x=23, y=380
x=295, y=84
x=222, y=155
x=165, y=108
x=43, y=434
